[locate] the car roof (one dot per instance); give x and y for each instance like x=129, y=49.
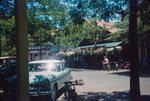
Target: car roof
x=8, y=57
x=46, y=61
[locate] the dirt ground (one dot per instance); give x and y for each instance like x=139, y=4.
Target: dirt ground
x=101, y=86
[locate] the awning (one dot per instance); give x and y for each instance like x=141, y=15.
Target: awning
x=111, y=44
x=107, y=45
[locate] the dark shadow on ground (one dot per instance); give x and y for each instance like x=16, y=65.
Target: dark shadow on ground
x=32, y=98
x=103, y=96
x=92, y=96
x=114, y=96
x=145, y=98
x=46, y=97
x=145, y=71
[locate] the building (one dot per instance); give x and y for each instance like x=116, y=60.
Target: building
x=42, y=52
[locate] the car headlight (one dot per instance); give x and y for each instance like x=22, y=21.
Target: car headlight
x=40, y=85
x=45, y=84
x=33, y=87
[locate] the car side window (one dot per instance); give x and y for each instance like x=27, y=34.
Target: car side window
x=32, y=67
x=62, y=66
x=59, y=68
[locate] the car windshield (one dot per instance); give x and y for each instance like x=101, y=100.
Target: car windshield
x=37, y=67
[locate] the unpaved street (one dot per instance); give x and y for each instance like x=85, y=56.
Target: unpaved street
x=106, y=85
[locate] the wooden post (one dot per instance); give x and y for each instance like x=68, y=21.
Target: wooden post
x=22, y=51
x=134, y=54
x=1, y=50
x=0, y=44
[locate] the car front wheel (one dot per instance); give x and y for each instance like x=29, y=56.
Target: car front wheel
x=53, y=94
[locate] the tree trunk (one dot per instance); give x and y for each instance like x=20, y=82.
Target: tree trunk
x=133, y=46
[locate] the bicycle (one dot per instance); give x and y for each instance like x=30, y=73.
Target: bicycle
x=70, y=91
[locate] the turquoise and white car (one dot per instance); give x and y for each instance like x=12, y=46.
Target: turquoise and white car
x=46, y=77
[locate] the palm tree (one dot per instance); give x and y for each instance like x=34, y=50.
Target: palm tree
x=133, y=45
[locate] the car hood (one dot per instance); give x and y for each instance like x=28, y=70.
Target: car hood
x=36, y=77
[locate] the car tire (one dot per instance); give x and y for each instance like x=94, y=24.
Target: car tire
x=53, y=94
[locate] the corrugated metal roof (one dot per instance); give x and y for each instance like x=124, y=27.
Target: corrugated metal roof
x=110, y=44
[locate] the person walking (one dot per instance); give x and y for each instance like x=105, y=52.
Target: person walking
x=105, y=63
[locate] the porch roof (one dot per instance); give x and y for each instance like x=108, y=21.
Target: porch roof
x=107, y=45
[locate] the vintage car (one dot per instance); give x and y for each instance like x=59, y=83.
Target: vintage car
x=7, y=61
x=46, y=77
x=7, y=67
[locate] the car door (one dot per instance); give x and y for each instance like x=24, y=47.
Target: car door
x=64, y=75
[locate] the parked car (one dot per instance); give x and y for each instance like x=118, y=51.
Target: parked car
x=7, y=61
x=7, y=67
x=46, y=77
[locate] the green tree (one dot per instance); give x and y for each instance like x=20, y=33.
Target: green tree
x=46, y=15
x=77, y=13
x=122, y=33
x=7, y=9
x=107, y=9
x=95, y=32
x=7, y=28
x=144, y=12
x=59, y=23
x=8, y=39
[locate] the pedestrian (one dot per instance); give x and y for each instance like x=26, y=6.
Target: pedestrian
x=105, y=63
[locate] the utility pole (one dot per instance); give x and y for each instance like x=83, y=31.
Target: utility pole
x=22, y=51
x=95, y=36
x=133, y=53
